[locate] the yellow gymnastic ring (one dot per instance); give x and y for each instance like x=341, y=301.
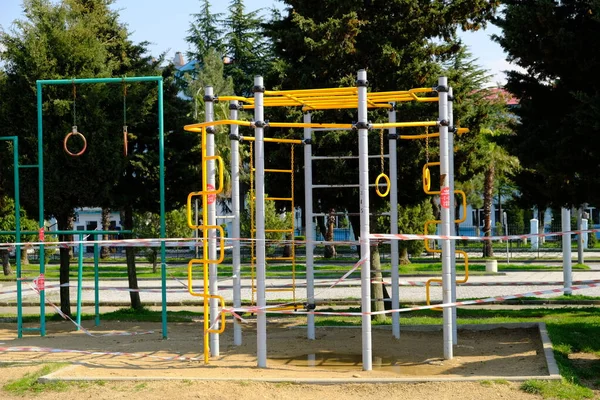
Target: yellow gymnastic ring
x=426, y=179
x=387, y=181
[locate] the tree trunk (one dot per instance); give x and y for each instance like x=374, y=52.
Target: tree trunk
x=488, y=193
x=4, y=253
x=376, y=285
x=404, y=256
x=24, y=256
x=287, y=248
x=65, y=222
x=136, y=303
x=330, y=249
x=154, y=259
x=105, y=223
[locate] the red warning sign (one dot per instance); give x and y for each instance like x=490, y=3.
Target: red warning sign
x=41, y=234
x=211, y=197
x=40, y=282
x=445, y=197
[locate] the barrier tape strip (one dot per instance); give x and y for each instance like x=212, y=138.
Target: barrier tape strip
x=407, y=236
x=81, y=328
x=532, y=283
x=183, y=242
x=33, y=349
x=401, y=310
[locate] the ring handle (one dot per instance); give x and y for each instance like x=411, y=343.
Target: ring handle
x=125, y=140
x=69, y=135
x=387, y=182
x=426, y=179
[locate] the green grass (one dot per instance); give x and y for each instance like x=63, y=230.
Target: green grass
x=29, y=384
x=557, y=389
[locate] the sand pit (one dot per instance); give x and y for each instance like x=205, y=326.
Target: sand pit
x=335, y=355
x=499, y=353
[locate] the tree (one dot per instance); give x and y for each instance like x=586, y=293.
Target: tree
x=8, y=223
x=246, y=47
x=147, y=225
x=554, y=43
x=323, y=44
x=84, y=38
x=205, y=33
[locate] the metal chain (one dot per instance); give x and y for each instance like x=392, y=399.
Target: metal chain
x=381, y=147
x=74, y=104
x=426, y=145
x=124, y=103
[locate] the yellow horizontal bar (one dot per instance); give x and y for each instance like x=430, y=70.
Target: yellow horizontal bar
x=273, y=140
x=310, y=91
x=279, y=198
x=289, y=171
x=279, y=258
x=460, y=131
x=279, y=230
x=238, y=98
x=423, y=136
x=403, y=124
x=307, y=125
x=198, y=127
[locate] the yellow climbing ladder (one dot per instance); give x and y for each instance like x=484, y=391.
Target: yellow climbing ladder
x=287, y=232
x=207, y=230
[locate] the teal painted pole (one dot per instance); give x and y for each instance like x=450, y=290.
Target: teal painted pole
x=18, y=238
x=96, y=289
x=79, y=279
x=40, y=162
x=99, y=80
x=163, y=228
x=17, y=231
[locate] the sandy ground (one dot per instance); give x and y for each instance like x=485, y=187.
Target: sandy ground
x=335, y=355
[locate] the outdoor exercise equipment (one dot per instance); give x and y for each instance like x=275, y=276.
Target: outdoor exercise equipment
x=74, y=132
x=41, y=224
x=382, y=174
x=309, y=100
x=125, y=133
x=288, y=233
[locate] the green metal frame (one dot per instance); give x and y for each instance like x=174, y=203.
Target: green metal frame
x=40, y=166
x=17, y=231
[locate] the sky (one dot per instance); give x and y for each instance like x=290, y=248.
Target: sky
x=166, y=29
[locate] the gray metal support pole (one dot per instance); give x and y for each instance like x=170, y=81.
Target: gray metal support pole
x=393, y=141
x=585, y=236
x=446, y=221
x=453, y=215
x=534, y=230
x=259, y=166
x=580, y=259
x=235, y=224
x=566, y=247
x=212, y=219
x=308, y=225
x=365, y=250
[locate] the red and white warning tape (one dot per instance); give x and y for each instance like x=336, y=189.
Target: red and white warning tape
x=400, y=310
x=407, y=236
x=81, y=328
x=530, y=283
x=184, y=242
